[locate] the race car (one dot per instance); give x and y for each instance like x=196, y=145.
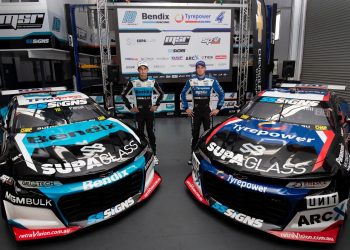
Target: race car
x=66, y=165
x=280, y=165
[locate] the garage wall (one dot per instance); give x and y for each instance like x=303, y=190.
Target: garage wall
x=326, y=56
x=282, y=45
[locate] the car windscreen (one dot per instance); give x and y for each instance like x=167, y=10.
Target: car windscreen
x=290, y=110
x=52, y=114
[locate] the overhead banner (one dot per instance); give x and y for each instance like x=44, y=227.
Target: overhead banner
x=259, y=36
x=172, y=40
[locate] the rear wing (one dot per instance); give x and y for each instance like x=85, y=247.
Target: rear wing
x=36, y=90
x=311, y=86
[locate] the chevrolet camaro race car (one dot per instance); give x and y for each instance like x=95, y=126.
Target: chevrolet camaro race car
x=281, y=165
x=66, y=165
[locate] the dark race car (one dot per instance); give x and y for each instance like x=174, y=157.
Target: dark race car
x=281, y=165
x=66, y=165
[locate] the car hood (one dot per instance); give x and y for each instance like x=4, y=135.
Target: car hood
x=78, y=149
x=268, y=149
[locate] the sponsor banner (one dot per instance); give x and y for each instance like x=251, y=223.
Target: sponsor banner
x=173, y=19
x=259, y=34
x=36, y=234
x=182, y=37
x=177, y=52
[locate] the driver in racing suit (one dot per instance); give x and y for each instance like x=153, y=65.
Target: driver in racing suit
x=142, y=88
x=201, y=87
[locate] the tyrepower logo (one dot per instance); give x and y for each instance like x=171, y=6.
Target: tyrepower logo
x=177, y=40
x=22, y=21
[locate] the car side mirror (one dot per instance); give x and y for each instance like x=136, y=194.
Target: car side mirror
x=111, y=111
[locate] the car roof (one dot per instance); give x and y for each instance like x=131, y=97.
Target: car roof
x=44, y=97
x=298, y=93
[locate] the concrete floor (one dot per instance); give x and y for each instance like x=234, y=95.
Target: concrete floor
x=171, y=219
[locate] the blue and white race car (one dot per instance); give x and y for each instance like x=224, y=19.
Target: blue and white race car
x=281, y=165
x=66, y=165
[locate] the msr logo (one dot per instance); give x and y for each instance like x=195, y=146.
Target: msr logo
x=177, y=40
x=22, y=21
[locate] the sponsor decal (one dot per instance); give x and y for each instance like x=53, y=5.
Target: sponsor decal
x=131, y=59
x=92, y=150
x=277, y=135
x=240, y=217
x=177, y=40
x=343, y=158
x=318, y=219
x=326, y=237
x=129, y=17
x=56, y=24
x=176, y=50
x=319, y=201
x=57, y=104
x=191, y=186
x=220, y=17
x=110, y=212
x=22, y=21
x=272, y=126
x=253, y=163
x=37, y=41
x=33, y=234
x=94, y=159
x=213, y=40
x=179, y=18
x=26, y=130
x=177, y=58
x=252, y=149
x=219, y=57
x=26, y=201
x=241, y=183
x=6, y=180
x=157, y=18
x=77, y=133
x=289, y=101
x=39, y=184
x=116, y=176
x=152, y=186
x=56, y=98
x=193, y=58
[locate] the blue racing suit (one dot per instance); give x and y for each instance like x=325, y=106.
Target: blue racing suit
x=202, y=89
